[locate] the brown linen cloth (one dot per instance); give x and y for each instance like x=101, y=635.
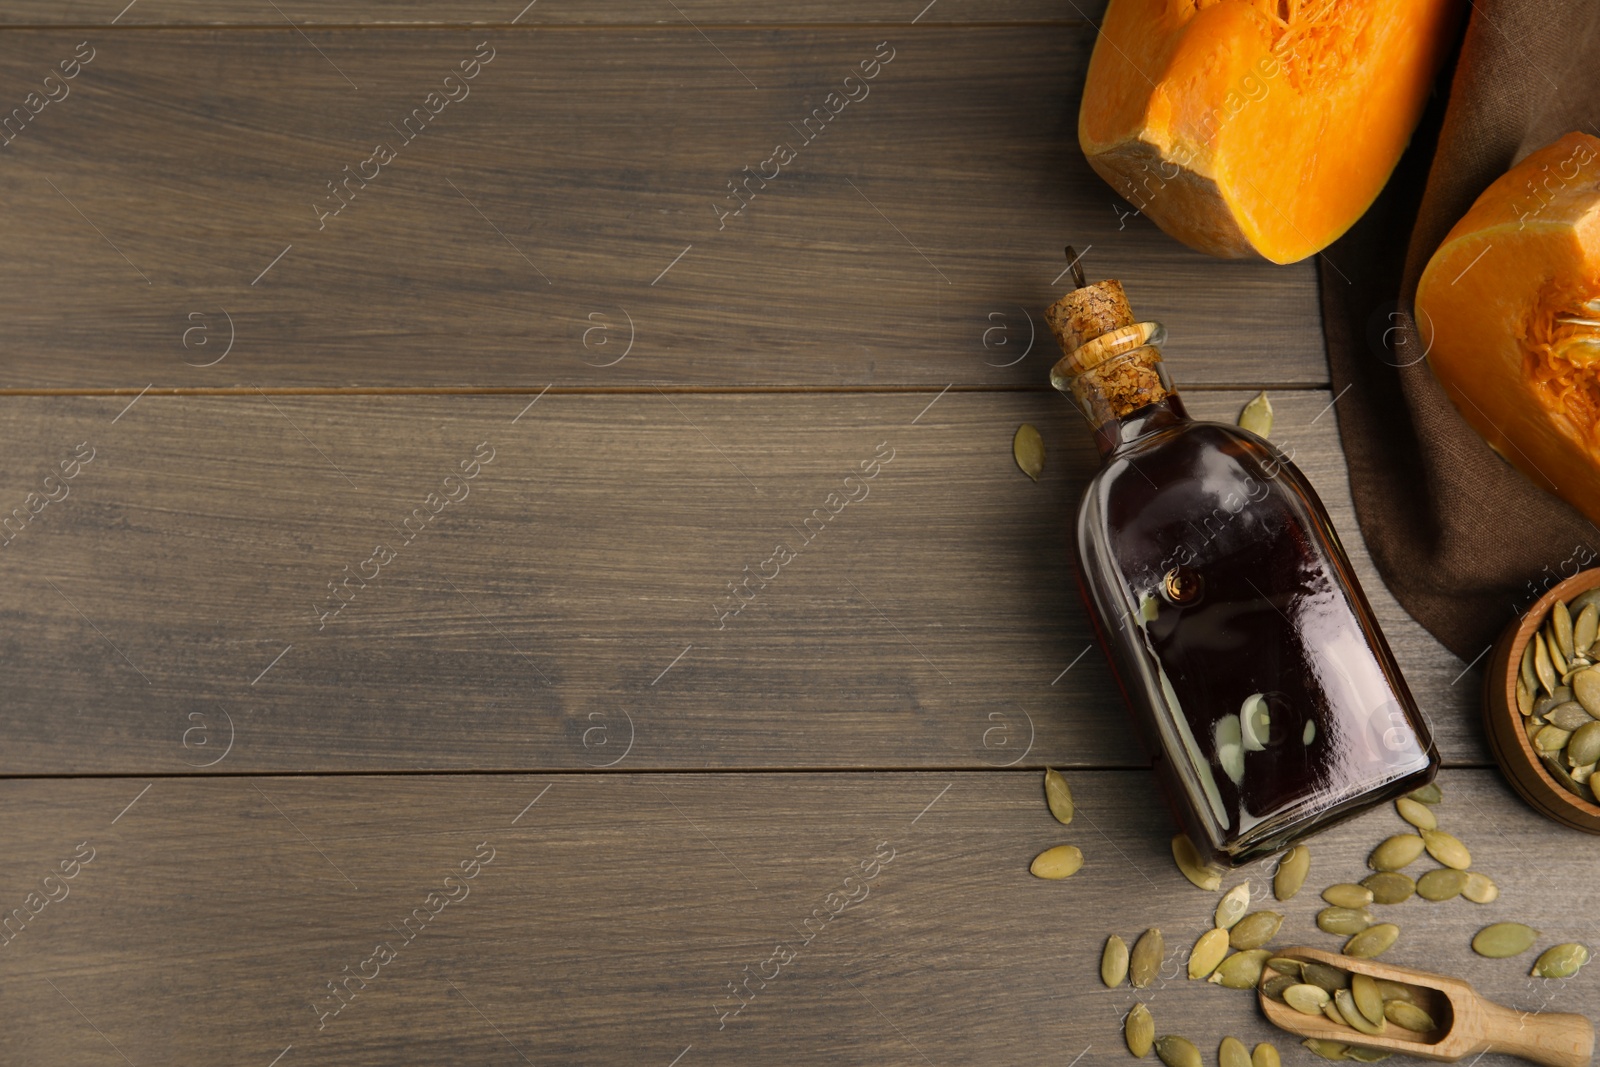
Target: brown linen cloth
x=1462, y=539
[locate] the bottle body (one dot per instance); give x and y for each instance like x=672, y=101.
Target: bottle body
x=1263, y=690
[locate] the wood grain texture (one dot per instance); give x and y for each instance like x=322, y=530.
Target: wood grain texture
x=617, y=909
x=688, y=13
x=565, y=213
x=575, y=598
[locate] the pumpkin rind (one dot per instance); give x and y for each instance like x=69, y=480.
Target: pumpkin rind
x=1258, y=127
x=1496, y=306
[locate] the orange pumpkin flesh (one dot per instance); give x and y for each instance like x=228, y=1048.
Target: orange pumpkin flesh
x=1509, y=313
x=1258, y=127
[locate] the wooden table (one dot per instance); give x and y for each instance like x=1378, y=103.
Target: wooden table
x=394, y=605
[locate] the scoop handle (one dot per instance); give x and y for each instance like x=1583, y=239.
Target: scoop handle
x=1551, y=1038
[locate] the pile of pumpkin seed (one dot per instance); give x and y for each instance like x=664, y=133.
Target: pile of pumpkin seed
x=1234, y=952
x=1558, y=692
x=1356, y=1002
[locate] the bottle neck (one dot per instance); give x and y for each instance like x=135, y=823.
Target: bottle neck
x=1125, y=397
x=1120, y=433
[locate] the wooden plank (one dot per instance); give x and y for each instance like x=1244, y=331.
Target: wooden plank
x=617, y=909
x=703, y=13
x=561, y=222
x=571, y=610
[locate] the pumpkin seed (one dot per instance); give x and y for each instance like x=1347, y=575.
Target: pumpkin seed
x=1528, y=675
x=1373, y=941
x=1324, y=977
x=1255, y=723
x=1542, y=704
x=1145, y=960
x=1275, y=986
x=1390, y=887
x=1331, y=1011
x=1291, y=874
x=1365, y=1055
x=1309, y=734
x=1027, y=448
x=1058, y=795
x=1561, y=774
x=1447, y=849
x=1114, y=962
x=1558, y=658
x=1503, y=940
x=1345, y=1001
x=1062, y=861
x=1479, y=888
x=1328, y=1050
x=1177, y=1051
x=1396, y=852
x=1584, y=628
x=1524, y=698
x=1367, y=998
x=1344, y=921
x=1408, y=1017
x=1346, y=895
x=1265, y=1055
x=1306, y=999
x=1427, y=794
x=1197, y=870
x=1562, y=961
x=1542, y=666
x=1139, y=1031
x=1561, y=623
x=1585, y=744
x=1242, y=970
x=1551, y=739
x=1254, y=930
x=1207, y=953
x=1257, y=415
x=1583, y=772
x=1234, y=903
x=1533, y=726
x=1395, y=991
x=1568, y=715
x=1419, y=815
x=1442, y=883
x=1232, y=1053
x=1285, y=965
x=1586, y=689
x=1583, y=600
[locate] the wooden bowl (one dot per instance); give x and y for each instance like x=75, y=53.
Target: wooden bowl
x=1507, y=737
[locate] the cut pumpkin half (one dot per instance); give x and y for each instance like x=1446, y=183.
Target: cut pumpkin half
x=1263, y=128
x=1508, y=310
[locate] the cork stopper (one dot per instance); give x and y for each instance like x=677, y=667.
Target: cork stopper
x=1086, y=313
x=1094, y=325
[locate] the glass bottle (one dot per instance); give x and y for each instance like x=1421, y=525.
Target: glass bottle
x=1268, y=701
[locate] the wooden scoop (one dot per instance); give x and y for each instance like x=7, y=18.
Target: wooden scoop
x=1468, y=1024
